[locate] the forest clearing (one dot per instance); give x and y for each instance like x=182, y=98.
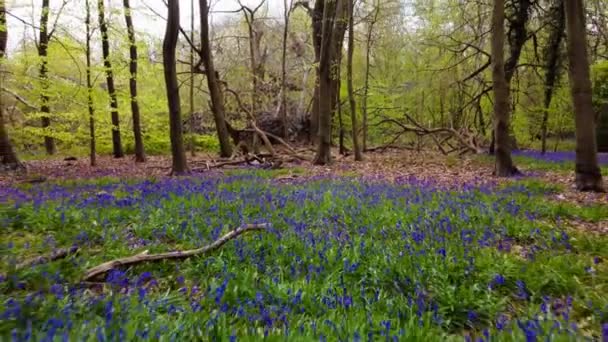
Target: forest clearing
x=328, y=170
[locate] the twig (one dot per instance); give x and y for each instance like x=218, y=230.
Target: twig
x=20, y=98
x=100, y=270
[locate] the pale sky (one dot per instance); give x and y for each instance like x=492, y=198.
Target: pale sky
x=72, y=17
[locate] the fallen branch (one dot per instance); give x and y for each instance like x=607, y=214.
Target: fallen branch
x=97, y=271
x=61, y=253
x=264, y=135
x=420, y=130
x=251, y=118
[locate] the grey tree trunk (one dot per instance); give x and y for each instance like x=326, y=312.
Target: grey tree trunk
x=504, y=164
x=553, y=56
x=179, y=165
x=92, y=147
x=140, y=155
x=333, y=29
x=43, y=45
x=105, y=45
x=215, y=92
x=349, y=73
x=8, y=157
x=588, y=174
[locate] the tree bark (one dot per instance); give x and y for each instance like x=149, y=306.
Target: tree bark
x=105, y=44
x=553, y=55
x=92, y=147
x=588, y=175
x=192, y=140
x=323, y=155
x=368, y=48
x=215, y=92
x=517, y=37
x=140, y=155
x=349, y=73
x=179, y=166
x=8, y=157
x=286, y=15
x=504, y=164
x=317, y=36
x=333, y=29
x=257, y=58
x=43, y=44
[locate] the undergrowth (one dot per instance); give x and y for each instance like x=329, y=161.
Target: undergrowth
x=345, y=259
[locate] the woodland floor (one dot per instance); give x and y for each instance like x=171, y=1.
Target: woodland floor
x=389, y=165
x=464, y=254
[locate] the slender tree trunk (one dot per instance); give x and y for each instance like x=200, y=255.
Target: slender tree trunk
x=92, y=152
x=504, y=163
x=338, y=106
x=368, y=50
x=217, y=100
x=179, y=166
x=349, y=73
x=558, y=24
x=140, y=155
x=192, y=141
x=317, y=37
x=286, y=15
x=8, y=157
x=105, y=44
x=588, y=175
x=43, y=44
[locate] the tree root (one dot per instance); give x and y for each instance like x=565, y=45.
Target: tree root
x=98, y=271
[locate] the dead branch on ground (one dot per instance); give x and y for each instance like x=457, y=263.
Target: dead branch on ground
x=100, y=270
x=58, y=254
x=264, y=135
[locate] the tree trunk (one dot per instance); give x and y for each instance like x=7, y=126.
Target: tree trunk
x=192, y=140
x=215, y=92
x=140, y=155
x=257, y=58
x=286, y=15
x=179, y=166
x=341, y=146
x=92, y=152
x=323, y=155
x=349, y=73
x=8, y=157
x=43, y=45
x=105, y=44
x=317, y=37
x=333, y=29
x=558, y=25
x=504, y=163
x=368, y=48
x=517, y=37
x=588, y=175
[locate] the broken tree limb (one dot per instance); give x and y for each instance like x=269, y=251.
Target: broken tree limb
x=100, y=270
x=251, y=118
x=261, y=133
x=58, y=254
x=464, y=140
